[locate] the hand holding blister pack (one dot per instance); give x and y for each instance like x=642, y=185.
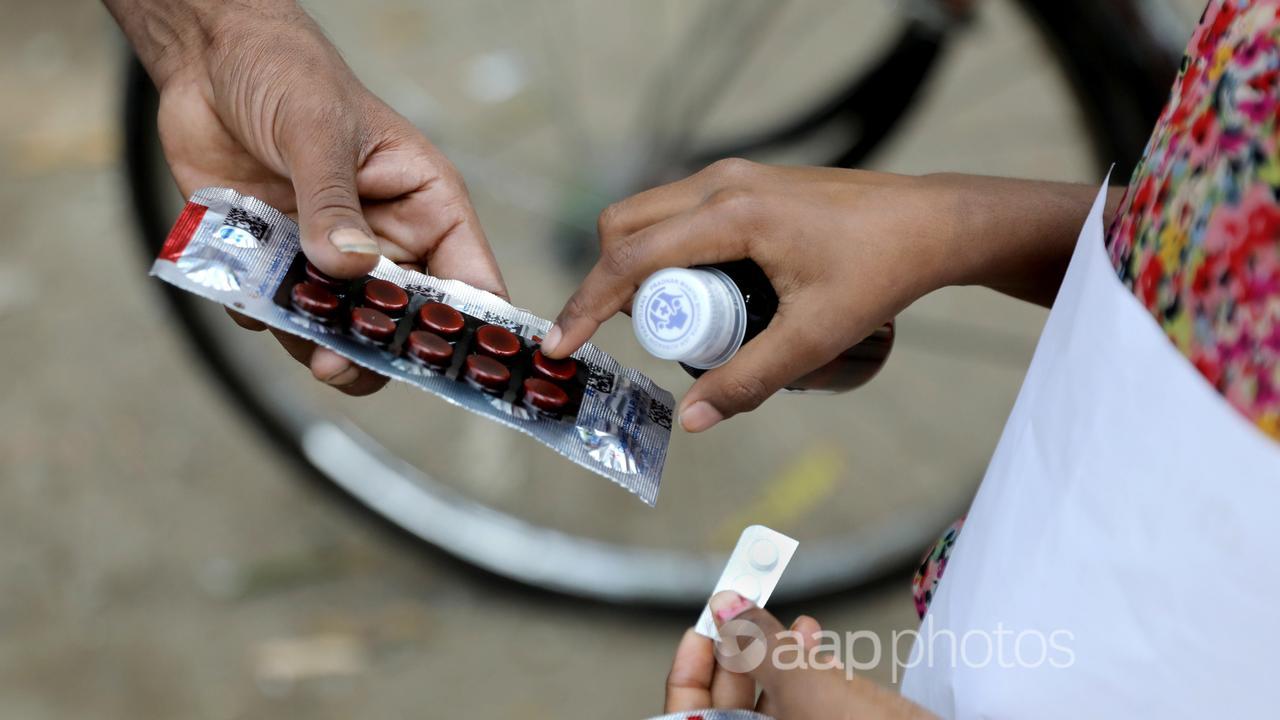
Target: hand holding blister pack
x=463, y=344
x=753, y=570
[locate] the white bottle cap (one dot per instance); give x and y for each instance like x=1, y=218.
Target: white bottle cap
x=696, y=316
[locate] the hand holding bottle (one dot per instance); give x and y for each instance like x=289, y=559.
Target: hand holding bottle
x=844, y=250
x=702, y=316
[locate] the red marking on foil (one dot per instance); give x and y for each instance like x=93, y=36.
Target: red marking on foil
x=183, y=230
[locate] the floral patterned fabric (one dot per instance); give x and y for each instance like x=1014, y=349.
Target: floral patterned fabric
x=932, y=567
x=1197, y=236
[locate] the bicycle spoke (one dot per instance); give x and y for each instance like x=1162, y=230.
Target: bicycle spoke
x=563, y=85
x=705, y=68
x=537, y=159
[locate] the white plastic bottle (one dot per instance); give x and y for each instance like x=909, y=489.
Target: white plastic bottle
x=701, y=316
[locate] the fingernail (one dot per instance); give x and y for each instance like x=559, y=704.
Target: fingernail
x=552, y=339
x=352, y=240
x=728, y=605
x=343, y=377
x=700, y=416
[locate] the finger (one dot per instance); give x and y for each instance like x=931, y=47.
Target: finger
x=246, y=322
x=321, y=156
x=463, y=253
x=782, y=353
x=440, y=226
x=689, y=682
x=643, y=209
x=298, y=348
x=336, y=371
x=742, y=625
x=805, y=629
x=329, y=367
x=734, y=689
x=697, y=237
x=731, y=690
x=367, y=383
x=435, y=221
x=791, y=688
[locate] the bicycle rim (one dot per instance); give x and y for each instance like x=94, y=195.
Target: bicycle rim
x=553, y=550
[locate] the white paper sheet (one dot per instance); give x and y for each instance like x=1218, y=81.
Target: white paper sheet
x=1128, y=509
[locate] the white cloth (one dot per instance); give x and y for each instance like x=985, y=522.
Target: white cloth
x=1128, y=509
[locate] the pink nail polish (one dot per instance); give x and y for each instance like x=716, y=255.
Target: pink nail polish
x=728, y=605
x=729, y=613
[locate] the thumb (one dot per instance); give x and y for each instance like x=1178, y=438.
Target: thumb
x=335, y=236
x=753, y=643
x=783, y=352
x=749, y=636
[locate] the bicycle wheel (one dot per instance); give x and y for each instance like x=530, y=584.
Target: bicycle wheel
x=553, y=109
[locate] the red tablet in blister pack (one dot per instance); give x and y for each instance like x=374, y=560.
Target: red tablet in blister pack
x=458, y=342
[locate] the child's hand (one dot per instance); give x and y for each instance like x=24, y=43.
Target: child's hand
x=845, y=250
x=700, y=678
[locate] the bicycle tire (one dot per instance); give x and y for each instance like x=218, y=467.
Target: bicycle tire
x=1109, y=103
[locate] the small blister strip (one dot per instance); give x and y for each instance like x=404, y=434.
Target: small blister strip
x=753, y=570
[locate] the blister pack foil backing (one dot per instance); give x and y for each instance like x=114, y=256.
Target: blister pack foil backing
x=242, y=253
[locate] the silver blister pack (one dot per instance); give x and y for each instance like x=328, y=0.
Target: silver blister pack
x=244, y=254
